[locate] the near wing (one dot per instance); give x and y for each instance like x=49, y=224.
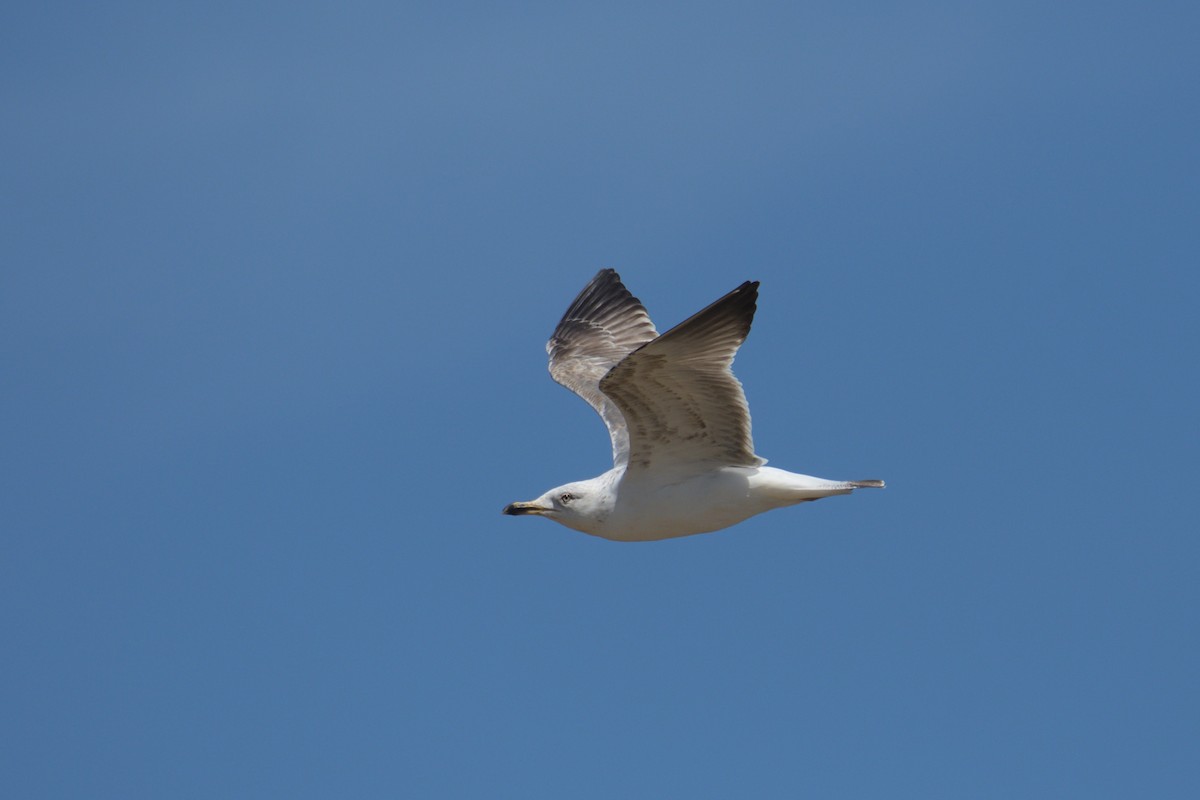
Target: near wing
x=684, y=409
x=603, y=325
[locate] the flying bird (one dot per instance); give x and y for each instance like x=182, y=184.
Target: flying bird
x=683, y=459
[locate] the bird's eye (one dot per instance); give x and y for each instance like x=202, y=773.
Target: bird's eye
x=565, y=498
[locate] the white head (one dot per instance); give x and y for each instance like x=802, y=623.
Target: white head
x=583, y=505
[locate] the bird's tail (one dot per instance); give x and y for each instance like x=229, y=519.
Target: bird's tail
x=867, y=484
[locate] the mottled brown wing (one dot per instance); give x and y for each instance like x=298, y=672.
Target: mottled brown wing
x=685, y=410
x=603, y=325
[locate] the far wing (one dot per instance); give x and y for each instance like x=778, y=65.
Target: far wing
x=603, y=325
x=685, y=410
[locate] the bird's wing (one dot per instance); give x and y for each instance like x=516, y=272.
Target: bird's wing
x=603, y=325
x=684, y=409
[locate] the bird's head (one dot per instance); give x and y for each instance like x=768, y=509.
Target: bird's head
x=583, y=506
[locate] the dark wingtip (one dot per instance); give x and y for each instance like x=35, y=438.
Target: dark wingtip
x=602, y=290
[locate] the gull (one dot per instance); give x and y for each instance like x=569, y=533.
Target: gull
x=683, y=459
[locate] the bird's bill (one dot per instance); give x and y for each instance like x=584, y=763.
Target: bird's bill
x=517, y=509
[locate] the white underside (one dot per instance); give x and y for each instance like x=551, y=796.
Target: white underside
x=643, y=511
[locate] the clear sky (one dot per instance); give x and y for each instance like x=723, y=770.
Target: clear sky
x=275, y=284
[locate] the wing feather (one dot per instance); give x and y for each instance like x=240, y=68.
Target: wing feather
x=604, y=324
x=684, y=409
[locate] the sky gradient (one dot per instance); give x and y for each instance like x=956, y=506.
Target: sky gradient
x=276, y=283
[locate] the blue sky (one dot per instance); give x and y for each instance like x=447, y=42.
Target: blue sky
x=276, y=282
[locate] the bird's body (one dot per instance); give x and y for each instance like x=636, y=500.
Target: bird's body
x=684, y=461
x=643, y=510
